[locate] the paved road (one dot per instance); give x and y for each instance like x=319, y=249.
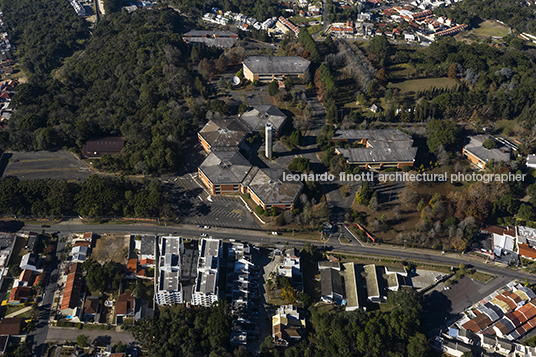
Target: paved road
x=39, y=335
x=70, y=334
x=263, y=238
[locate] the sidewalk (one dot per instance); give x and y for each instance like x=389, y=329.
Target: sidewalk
x=18, y=312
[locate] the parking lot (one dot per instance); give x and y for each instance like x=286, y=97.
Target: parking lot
x=59, y=165
x=224, y=211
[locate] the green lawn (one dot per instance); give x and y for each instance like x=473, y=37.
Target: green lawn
x=414, y=85
x=314, y=29
x=299, y=19
x=490, y=28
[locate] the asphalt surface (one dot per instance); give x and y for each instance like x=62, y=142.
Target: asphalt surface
x=267, y=239
x=45, y=164
x=39, y=335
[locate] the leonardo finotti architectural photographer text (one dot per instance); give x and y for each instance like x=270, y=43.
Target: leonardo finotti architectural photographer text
x=405, y=176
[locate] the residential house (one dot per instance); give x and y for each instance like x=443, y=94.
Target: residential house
x=11, y=326
x=125, y=306
x=146, y=247
x=269, y=68
x=374, y=293
x=29, y=262
x=291, y=266
x=19, y=294
x=331, y=286
x=287, y=325
x=91, y=307
x=26, y=278
x=454, y=348
x=71, y=292
x=80, y=253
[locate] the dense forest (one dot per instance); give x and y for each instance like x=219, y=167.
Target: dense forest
x=182, y=331
x=45, y=32
x=97, y=196
x=131, y=80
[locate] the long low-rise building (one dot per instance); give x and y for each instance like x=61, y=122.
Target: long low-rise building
x=381, y=148
x=269, y=68
x=206, y=290
x=220, y=39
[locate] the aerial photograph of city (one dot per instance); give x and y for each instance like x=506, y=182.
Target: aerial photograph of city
x=274, y=178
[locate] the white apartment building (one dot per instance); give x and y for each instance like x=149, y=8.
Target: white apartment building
x=169, y=288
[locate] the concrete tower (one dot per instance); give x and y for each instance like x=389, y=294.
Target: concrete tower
x=268, y=141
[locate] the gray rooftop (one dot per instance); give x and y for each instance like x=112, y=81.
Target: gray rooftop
x=371, y=280
x=373, y=135
x=324, y=264
x=331, y=282
x=531, y=160
x=171, y=245
x=475, y=148
x=170, y=280
x=206, y=283
x=257, y=118
x=278, y=65
x=6, y=241
x=147, y=245
x=209, y=247
x=221, y=39
x=267, y=185
x=223, y=133
x=225, y=167
x=380, y=155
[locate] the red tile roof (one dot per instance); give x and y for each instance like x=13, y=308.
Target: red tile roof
x=73, y=286
x=26, y=275
x=19, y=293
x=132, y=265
x=526, y=251
x=11, y=325
x=125, y=302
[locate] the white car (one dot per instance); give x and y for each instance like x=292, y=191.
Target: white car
x=206, y=227
x=275, y=233
x=203, y=235
x=446, y=288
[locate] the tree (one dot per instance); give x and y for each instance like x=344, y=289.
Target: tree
x=380, y=46
x=489, y=143
x=289, y=83
x=82, y=341
x=453, y=71
x=273, y=88
x=441, y=132
x=418, y=346
x=526, y=212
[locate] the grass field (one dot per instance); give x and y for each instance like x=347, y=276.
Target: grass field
x=414, y=85
x=490, y=28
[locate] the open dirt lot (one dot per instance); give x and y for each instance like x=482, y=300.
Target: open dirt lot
x=43, y=164
x=111, y=247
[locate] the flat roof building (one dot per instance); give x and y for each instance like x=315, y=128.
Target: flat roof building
x=220, y=39
x=269, y=68
x=169, y=288
x=382, y=148
x=206, y=285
